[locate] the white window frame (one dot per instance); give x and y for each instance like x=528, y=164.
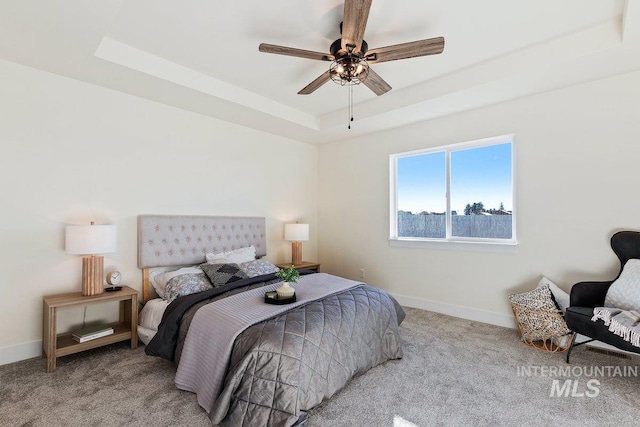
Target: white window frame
x=450, y=242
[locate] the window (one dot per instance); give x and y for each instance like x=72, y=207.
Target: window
x=462, y=193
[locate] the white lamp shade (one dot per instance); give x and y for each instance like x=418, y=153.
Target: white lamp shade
x=296, y=232
x=90, y=239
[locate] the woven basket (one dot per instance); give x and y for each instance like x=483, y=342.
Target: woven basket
x=538, y=328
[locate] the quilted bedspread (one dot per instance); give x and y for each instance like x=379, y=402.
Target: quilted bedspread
x=283, y=367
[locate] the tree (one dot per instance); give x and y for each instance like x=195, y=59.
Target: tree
x=475, y=209
x=501, y=206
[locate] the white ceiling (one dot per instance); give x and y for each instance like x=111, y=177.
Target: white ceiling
x=203, y=55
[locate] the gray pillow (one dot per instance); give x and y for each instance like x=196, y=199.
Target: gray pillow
x=258, y=267
x=221, y=274
x=185, y=284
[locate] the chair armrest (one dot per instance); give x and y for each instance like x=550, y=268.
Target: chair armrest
x=589, y=294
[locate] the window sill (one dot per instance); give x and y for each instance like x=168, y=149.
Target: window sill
x=453, y=245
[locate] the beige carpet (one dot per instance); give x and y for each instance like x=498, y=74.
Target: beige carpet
x=454, y=373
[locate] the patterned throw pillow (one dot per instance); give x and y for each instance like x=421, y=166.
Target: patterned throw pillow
x=258, y=267
x=221, y=274
x=624, y=292
x=561, y=298
x=185, y=284
x=159, y=278
x=538, y=320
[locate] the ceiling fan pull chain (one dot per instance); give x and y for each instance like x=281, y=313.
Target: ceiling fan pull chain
x=351, y=103
x=349, y=109
x=350, y=106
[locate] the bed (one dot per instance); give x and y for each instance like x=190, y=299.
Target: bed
x=252, y=363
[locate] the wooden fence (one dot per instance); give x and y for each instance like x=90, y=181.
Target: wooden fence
x=433, y=226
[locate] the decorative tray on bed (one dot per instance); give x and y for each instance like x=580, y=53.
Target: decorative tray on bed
x=272, y=298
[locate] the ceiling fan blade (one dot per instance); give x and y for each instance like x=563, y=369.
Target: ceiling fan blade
x=432, y=46
x=291, y=51
x=376, y=83
x=311, y=87
x=354, y=21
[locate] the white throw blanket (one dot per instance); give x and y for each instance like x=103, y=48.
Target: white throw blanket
x=625, y=324
x=215, y=326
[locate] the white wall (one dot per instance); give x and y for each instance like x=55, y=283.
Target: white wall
x=72, y=152
x=577, y=154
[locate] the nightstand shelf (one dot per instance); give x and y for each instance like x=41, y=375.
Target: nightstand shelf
x=67, y=345
x=55, y=346
x=306, y=265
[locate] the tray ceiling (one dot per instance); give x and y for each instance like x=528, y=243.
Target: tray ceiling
x=203, y=55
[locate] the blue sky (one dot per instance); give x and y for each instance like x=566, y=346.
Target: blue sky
x=480, y=174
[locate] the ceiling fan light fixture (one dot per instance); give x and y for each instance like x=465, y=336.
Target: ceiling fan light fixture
x=349, y=71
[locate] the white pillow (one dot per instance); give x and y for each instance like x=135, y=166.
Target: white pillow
x=236, y=256
x=562, y=298
x=157, y=285
x=159, y=279
x=624, y=292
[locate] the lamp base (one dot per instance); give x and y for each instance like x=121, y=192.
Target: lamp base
x=92, y=274
x=296, y=253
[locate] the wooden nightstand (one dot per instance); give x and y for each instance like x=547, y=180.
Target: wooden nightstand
x=54, y=345
x=306, y=265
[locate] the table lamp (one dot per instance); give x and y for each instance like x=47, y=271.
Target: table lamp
x=296, y=233
x=91, y=240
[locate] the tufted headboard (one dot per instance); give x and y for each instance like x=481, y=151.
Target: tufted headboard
x=175, y=240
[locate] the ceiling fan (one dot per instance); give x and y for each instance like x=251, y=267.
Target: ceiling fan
x=350, y=55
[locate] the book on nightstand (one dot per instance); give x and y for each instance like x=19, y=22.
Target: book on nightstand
x=89, y=334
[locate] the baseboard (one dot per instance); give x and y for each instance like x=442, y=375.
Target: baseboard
x=18, y=352
x=475, y=314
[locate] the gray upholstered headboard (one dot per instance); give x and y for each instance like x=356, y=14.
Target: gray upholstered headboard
x=166, y=240
x=176, y=240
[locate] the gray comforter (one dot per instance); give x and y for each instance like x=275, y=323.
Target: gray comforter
x=284, y=366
